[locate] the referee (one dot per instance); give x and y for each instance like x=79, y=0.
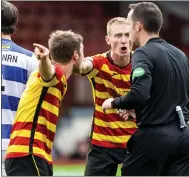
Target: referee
x=160, y=83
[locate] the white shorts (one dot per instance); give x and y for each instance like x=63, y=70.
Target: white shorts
x=3, y=152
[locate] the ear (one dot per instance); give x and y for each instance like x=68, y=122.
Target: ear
x=138, y=26
x=107, y=39
x=75, y=56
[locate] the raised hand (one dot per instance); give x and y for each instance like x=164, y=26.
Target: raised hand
x=41, y=52
x=46, y=69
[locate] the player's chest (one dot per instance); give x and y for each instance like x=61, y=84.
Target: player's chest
x=116, y=81
x=115, y=74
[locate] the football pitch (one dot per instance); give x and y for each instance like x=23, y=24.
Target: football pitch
x=72, y=170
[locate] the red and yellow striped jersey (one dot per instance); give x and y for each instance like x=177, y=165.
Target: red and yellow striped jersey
x=109, y=81
x=34, y=127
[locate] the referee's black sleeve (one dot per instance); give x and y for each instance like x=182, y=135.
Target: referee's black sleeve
x=141, y=78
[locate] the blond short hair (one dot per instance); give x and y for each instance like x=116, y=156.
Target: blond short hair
x=115, y=21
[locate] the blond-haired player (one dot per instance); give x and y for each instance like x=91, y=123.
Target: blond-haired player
x=109, y=74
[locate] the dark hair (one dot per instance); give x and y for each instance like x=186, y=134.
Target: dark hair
x=9, y=17
x=148, y=14
x=62, y=45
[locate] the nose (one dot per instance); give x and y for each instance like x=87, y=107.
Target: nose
x=123, y=40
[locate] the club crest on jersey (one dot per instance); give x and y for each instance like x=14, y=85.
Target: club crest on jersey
x=5, y=47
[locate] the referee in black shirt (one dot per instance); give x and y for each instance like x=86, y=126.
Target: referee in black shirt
x=160, y=83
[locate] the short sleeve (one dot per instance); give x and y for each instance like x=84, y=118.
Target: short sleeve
x=59, y=77
x=96, y=60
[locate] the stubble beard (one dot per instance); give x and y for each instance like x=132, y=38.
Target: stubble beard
x=76, y=69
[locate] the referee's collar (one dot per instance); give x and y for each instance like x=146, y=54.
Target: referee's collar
x=154, y=39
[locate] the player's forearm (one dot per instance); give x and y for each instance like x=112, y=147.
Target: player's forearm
x=46, y=69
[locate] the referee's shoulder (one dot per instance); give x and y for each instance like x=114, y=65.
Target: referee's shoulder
x=179, y=51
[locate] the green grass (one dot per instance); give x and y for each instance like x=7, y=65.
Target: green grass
x=72, y=170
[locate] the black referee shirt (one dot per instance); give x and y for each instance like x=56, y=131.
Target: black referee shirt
x=160, y=82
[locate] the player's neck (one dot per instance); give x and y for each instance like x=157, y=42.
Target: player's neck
x=120, y=61
x=5, y=36
x=145, y=37
x=67, y=70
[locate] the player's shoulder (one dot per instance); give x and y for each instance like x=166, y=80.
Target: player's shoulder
x=99, y=59
x=10, y=46
x=19, y=49
x=101, y=56
x=59, y=72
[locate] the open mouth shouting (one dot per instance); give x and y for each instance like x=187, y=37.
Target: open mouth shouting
x=124, y=49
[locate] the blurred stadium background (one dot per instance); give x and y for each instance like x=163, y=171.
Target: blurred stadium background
x=38, y=19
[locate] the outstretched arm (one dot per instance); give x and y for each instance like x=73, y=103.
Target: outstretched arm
x=86, y=65
x=46, y=69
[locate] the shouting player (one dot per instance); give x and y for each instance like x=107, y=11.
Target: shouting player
x=109, y=74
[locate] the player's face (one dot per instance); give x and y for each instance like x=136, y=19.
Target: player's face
x=134, y=35
x=76, y=67
x=119, y=40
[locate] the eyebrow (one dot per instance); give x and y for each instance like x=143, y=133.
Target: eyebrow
x=122, y=33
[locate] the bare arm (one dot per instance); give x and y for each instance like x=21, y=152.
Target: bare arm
x=46, y=69
x=86, y=65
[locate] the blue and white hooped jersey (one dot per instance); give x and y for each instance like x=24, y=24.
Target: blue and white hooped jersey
x=17, y=65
